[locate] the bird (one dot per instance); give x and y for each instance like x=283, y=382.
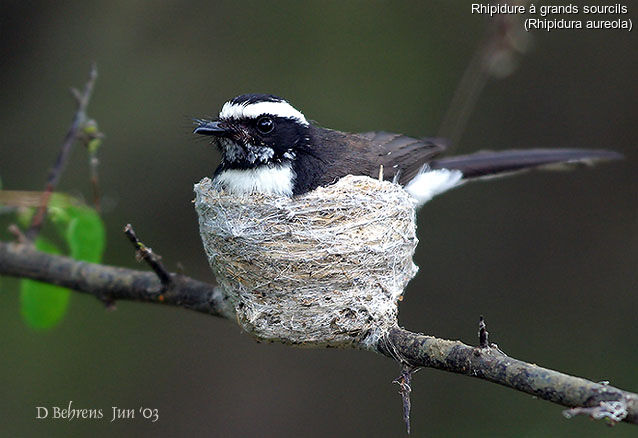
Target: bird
x=268, y=146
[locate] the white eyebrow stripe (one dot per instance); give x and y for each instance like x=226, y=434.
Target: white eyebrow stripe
x=253, y=110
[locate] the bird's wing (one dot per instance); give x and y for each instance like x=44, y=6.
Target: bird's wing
x=402, y=157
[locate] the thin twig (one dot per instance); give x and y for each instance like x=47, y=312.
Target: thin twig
x=82, y=100
x=95, y=182
x=92, y=137
x=145, y=253
x=494, y=57
x=404, y=381
x=17, y=233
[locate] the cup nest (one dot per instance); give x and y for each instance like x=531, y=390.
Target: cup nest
x=322, y=269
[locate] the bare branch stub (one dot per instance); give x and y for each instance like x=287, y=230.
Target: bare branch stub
x=483, y=333
x=145, y=253
x=82, y=101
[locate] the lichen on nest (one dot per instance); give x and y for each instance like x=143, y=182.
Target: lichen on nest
x=322, y=269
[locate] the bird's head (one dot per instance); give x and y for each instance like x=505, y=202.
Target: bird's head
x=254, y=130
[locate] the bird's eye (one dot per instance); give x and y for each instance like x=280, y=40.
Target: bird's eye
x=265, y=124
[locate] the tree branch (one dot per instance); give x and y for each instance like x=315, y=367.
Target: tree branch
x=493, y=365
x=109, y=283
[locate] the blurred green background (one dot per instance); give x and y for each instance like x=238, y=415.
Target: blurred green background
x=548, y=258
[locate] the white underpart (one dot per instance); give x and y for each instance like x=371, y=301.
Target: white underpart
x=277, y=180
x=253, y=110
x=429, y=183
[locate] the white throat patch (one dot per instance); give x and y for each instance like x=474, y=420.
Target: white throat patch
x=251, y=153
x=253, y=110
x=276, y=180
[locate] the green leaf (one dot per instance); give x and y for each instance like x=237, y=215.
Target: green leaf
x=24, y=217
x=43, y=305
x=85, y=234
x=82, y=229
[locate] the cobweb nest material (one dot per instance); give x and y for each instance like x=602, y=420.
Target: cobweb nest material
x=322, y=269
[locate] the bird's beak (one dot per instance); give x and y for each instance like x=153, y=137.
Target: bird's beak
x=210, y=127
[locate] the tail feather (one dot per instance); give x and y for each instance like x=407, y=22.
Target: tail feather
x=486, y=164
x=443, y=174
